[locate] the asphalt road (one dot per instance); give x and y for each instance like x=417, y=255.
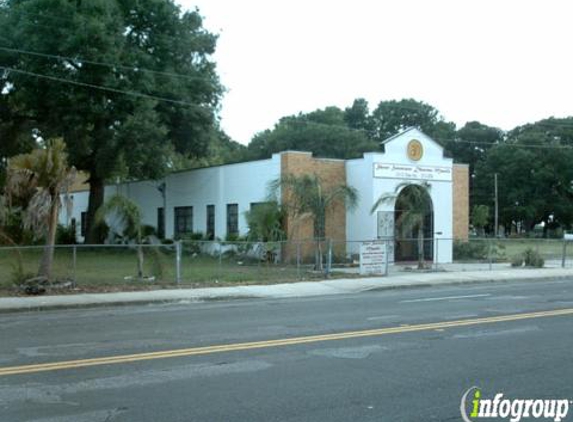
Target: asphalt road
x=393, y=374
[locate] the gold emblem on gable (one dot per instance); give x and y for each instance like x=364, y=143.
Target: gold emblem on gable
x=415, y=150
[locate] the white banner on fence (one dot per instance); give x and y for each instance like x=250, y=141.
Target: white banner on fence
x=373, y=257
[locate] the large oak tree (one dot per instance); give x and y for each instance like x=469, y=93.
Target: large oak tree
x=144, y=85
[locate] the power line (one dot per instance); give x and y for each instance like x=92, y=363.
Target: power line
x=165, y=36
x=112, y=65
x=445, y=142
x=103, y=88
x=509, y=144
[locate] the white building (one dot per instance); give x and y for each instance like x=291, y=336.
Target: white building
x=213, y=200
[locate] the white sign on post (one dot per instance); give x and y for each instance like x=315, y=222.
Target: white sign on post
x=373, y=257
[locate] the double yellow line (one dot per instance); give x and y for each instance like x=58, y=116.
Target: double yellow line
x=194, y=351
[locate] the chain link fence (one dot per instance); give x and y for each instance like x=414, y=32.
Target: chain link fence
x=218, y=263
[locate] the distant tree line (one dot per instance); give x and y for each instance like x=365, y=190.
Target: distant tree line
x=533, y=161
x=133, y=92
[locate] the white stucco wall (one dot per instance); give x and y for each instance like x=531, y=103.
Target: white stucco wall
x=362, y=225
x=241, y=183
x=246, y=183
x=79, y=203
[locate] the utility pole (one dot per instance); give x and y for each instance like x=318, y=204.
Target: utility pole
x=496, y=205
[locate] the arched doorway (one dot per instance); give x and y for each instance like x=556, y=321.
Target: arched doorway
x=413, y=211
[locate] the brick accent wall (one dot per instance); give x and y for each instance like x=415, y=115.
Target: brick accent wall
x=332, y=172
x=460, y=193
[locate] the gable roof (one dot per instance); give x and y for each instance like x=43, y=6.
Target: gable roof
x=412, y=129
x=408, y=129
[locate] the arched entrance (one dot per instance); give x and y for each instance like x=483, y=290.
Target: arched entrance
x=413, y=212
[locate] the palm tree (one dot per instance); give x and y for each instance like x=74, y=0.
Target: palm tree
x=415, y=201
x=45, y=175
x=266, y=225
x=265, y=222
x=126, y=215
x=308, y=197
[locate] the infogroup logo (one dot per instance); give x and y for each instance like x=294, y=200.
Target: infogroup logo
x=513, y=409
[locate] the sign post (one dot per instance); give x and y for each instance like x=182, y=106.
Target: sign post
x=373, y=257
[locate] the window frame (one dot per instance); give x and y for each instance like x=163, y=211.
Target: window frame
x=187, y=223
x=233, y=219
x=210, y=223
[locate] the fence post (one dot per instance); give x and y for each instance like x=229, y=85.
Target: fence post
x=329, y=258
x=298, y=259
x=437, y=257
x=564, y=255
x=74, y=259
x=178, y=261
x=386, y=270
x=220, y=261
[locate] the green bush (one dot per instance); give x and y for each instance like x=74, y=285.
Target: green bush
x=194, y=236
x=66, y=235
x=478, y=250
x=192, y=243
x=232, y=237
x=14, y=232
x=517, y=260
x=470, y=250
x=147, y=231
x=532, y=258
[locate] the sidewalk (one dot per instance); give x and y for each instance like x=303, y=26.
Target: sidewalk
x=300, y=289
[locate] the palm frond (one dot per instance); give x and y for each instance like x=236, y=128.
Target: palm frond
x=416, y=196
x=347, y=194
x=38, y=211
x=125, y=212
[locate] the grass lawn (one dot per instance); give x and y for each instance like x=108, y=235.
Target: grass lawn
x=505, y=249
x=548, y=248
x=105, y=269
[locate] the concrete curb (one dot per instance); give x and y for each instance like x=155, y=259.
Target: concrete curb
x=287, y=290
x=469, y=282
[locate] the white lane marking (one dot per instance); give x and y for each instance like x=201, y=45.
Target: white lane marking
x=377, y=318
x=433, y=299
x=494, y=332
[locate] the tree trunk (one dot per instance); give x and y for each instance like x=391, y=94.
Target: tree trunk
x=45, y=269
x=421, y=258
x=96, y=197
x=318, y=231
x=318, y=257
x=140, y=261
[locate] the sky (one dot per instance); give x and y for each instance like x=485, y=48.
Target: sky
x=502, y=62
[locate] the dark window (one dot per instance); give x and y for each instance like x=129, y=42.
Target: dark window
x=210, y=222
x=83, y=223
x=183, y=220
x=232, y=219
x=161, y=222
